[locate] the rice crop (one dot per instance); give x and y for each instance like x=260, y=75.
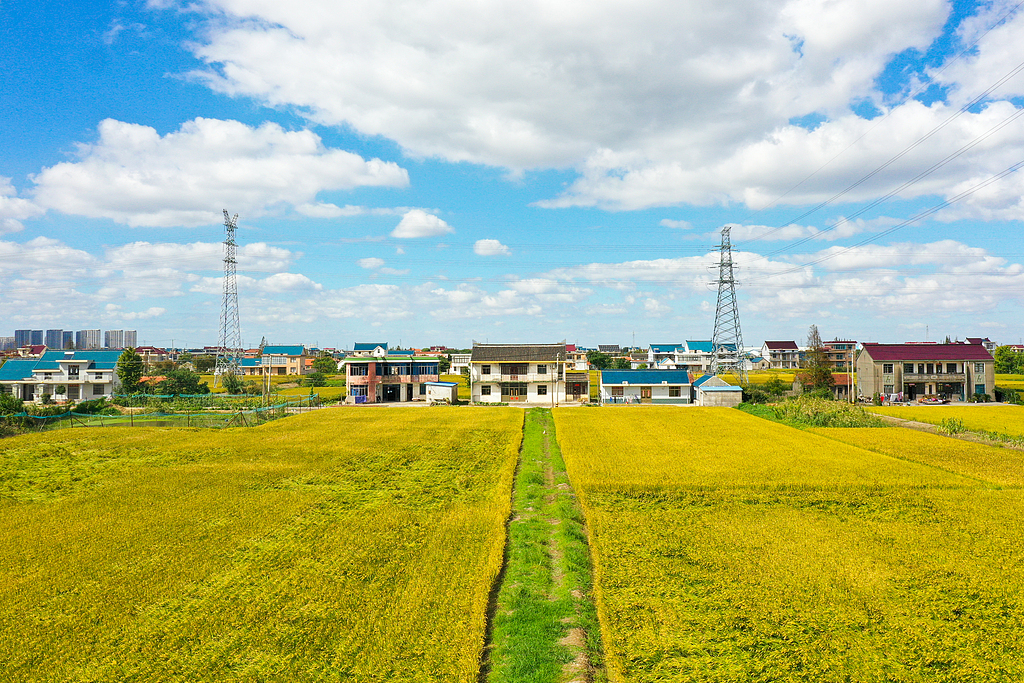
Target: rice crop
x=993, y=464
x=1007, y=420
x=342, y=544
x=729, y=548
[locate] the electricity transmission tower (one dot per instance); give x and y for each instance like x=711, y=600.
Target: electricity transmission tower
x=727, y=342
x=229, y=353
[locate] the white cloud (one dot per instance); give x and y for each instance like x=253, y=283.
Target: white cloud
x=419, y=223
x=489, y=247
x=14, y=209
x=326, y=210
x=394, y=271
x=134, y=176
x=370, y=263
x=669, y=223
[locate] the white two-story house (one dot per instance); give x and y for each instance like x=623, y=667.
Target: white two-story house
x=525, y=373
x=82, y=375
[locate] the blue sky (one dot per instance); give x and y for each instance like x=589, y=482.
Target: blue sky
x=442, y=171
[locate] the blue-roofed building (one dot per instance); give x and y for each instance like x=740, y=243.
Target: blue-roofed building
x=646, y=386
x=370, y=349
x=83, y=375
x=710, y=390
x=692, y=355
x=281, y=359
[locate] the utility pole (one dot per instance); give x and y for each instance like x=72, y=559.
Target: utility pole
x=229, y=352
x=727, y=342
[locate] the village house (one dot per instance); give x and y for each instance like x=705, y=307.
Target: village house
x=375, y=375
x=840, y=354
x=83, y=376
x=953, y=372
x=710, y=390
x=525, y=373
x=781, y=355
x=646, y=386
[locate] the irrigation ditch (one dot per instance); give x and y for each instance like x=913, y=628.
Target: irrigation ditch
x=542, y=625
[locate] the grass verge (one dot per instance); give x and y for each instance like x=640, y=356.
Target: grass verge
x=545, y=625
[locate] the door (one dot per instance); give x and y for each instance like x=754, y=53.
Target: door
x=515, y=394
x=645, y=394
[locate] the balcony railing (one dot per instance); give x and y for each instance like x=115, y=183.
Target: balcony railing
x=934, y=377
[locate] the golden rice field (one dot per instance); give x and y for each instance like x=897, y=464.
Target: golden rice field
x=729, y=548
x=336, y=545
x=999, y=419
x=762, y=376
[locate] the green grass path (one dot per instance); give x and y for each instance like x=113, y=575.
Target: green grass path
x=545, y=625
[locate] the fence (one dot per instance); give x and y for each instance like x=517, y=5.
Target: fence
x=237, y=418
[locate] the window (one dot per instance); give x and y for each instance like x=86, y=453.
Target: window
x=675, y=392
x=358, y=390
x=423, y=390
x=485, y=369
x=542, y=369
x=887, y=389
x=920, y=368
x=979, y=389
x=931, y=368
x=979, y=367
x=950, y=367
x=542, y=389
x=97, y=389
x=887, y=368
x=485, y=390
x=616, y=391
x=73, y=371
x=358, y=370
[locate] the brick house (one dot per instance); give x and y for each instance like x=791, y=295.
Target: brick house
x=373, y=375
x=946, y=371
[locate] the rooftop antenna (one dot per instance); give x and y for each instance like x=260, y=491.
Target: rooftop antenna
x=727, y=342
x=229, y=351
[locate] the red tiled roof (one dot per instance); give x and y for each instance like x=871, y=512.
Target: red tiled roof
x=782, y=345
x=926, y=352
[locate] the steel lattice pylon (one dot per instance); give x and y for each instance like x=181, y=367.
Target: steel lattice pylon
x=727, y=342
x=229, y=353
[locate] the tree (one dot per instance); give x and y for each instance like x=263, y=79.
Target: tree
x=1008, y=361
x=233, y=384
x=204, y=363
x=325, y=364
x=620, y=364
x=182, y=381
x=817, y=373
x=129, y=370
x=443, y=365
x=599, y=360
x=9, y=404
x=316, y=379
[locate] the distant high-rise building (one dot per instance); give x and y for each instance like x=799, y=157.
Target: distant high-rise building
x=131, y=338
x=54, y=339
x=22, y=338
x=7, y=343
x=68, y=340
x=113, y=339
x=38, y=338
x=87, y=339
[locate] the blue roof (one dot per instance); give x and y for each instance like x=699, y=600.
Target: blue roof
x=96, y=360
x=443, y=384
x=705, y=346
x=292, y=350
x=17, y=369
x=728, y=388
x=400, y=352
x=700, y=380
x=250, y=362
x=369, y=346
x=645, y=376
x=665, y=348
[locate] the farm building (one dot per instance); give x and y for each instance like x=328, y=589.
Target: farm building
x=781, y=355
x=525, y=373
x=83, y=375
x=442, y=392
x=646, y=386
x=375, y=375
x=952, y=372
x=710, y=390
